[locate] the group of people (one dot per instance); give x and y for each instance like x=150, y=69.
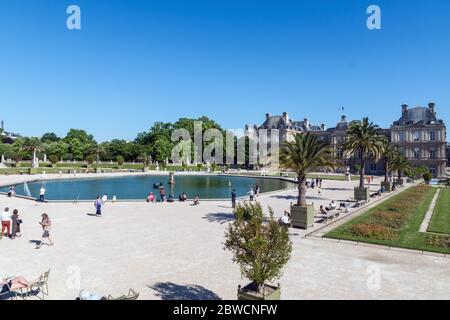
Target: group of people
x=314, y=183
x=254, y=192
x=151, y=198
x=11, y=226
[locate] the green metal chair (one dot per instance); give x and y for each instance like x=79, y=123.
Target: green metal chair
x=38, y=288
x=132, y=295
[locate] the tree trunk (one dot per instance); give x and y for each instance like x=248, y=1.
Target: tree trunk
x=301, y=200
x=362, y=175
x=386, y=174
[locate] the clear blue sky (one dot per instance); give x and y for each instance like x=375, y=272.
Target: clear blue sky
x=136, y=62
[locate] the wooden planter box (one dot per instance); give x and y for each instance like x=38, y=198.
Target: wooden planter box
x=387, y=186
x=361, y=194
x=302, y=217
x=249, y=292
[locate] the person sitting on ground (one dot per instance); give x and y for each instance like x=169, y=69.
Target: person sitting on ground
x=183, y=197
x=13, y=284
x=10, y=192
x=151, y=197
x=322, y=210
x=196, y=201
x=332, y=206
x=170, y=198
x=285, y=220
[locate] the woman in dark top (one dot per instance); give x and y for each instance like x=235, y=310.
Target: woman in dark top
x=16, y=221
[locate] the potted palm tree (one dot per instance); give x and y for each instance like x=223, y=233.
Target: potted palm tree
x=390, y=155
x=402, y=166
x=261, y=247
x=363, y=140
x=303, y=155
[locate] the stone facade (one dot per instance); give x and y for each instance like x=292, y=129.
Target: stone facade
x=417, y=129
x=421, y=137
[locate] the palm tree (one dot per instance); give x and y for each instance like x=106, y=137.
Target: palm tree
x=32, y=145
x=390, y=155
x=363, y=138
x=98, y=150
x=401, y=165
x=303, y=155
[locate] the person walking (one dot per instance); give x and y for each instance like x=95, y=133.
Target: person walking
x=104, y=199
x=233, y=198
x=6, y=223
x=46, y=225
x=98, y=207
x=16, y=221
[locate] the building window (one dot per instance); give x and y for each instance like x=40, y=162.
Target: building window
x=401, y=136
x=340, y=153
x=433, y=170
x=433, y=154
x=431, y=136
x=373, y=167
x=416, y=153
x=416, y=136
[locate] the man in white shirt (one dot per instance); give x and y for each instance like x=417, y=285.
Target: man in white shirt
x=104, y=199
x=332, y=206
x=42, y=194
x=6, y=222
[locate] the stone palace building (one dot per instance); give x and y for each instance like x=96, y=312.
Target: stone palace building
x=419, y=134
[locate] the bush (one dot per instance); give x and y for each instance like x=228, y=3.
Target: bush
x=427, y=176
x=120, y=160
x=261, y=249
x=438, y=241
x=53, y=159
x=90, y=159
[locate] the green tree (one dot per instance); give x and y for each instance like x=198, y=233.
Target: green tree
x=363, y=140
x=303, y=155
x=120, y=161
x=261, y=249
x=390, y=154
x=50, y=137
x=401, y=165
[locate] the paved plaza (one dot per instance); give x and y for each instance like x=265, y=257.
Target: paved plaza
x=175, y=251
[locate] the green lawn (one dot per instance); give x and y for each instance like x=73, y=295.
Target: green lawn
x=440, y=223
x=396, y=223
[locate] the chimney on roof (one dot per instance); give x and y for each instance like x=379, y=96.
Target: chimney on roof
x=306, y=123
x=404, y=109
x=268, y=115
x=286, y=117
x=3, y=125
x=431, y=106
x=323, y=127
